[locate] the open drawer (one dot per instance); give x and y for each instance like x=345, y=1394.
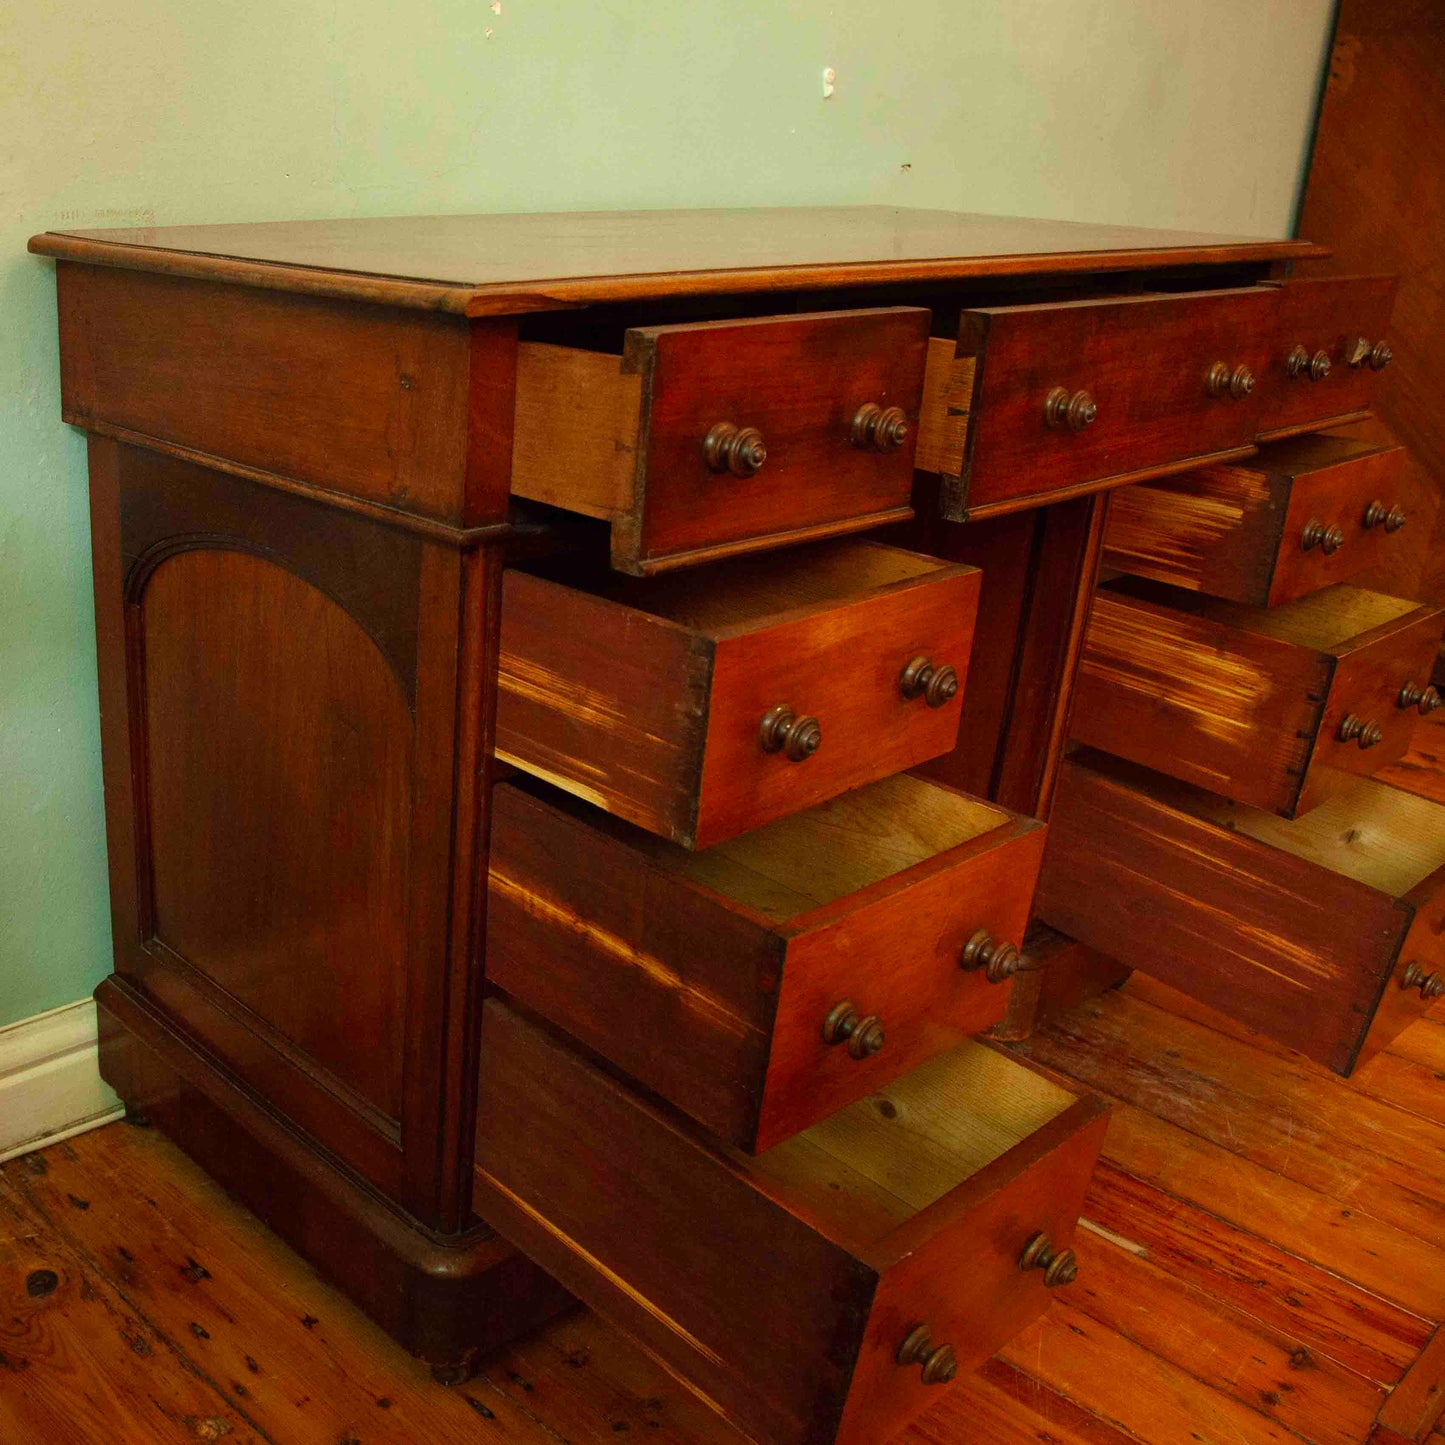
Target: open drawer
x=1329, y=345
x=701, y=704
x=708, y=438
x=823, y=1291
x=1326, y=933
x=1276, y=707
x=844, y=945
x=1302, y=515
x=1040, y=402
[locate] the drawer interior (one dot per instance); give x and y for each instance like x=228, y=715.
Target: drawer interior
x=746, y=591
x=840, y=847
x=871, y=1167
x=1323, y=621
x=1382, y=837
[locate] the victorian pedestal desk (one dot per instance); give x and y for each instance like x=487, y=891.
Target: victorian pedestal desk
x=581, y=701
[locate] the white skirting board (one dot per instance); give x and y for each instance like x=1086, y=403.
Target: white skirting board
x=50, y=1084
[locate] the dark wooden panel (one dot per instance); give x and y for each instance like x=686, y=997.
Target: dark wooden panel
x=278, y=749
x=799, y=380
x=350, y=397
x=1144, y=360
x=1341, y=317
x=1248, y=929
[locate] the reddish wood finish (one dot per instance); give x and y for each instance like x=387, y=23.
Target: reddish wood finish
x=871, y=898
x=447, y=1298
x=381, y=405
x=1250, y=702
x=1238, y=532
x=1156, y=874
x=1333, y=315
x=799, y=381
x=647, y=697
x=1145, y=361
x=693, y=1269
x=496, y=264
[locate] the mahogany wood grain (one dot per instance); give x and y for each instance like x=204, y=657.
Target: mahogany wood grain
x=345, y=396
x=1378, y=207
x=1237, y=532
x=628, y=446
x=1145, y=361
x=493, y=265
x=1333, y=315
x=1250, y=702
x=869, y=898
x=873, y=1226
x=646, y=697
x=1247, y=913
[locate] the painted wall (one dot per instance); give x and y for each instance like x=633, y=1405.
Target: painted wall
x=128, y=112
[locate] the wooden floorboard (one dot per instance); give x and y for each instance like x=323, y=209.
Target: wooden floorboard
x=1262, y=1262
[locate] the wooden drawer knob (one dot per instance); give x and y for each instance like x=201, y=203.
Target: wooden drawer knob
x=736, y=449
x=844, y=1025
x=1426, y=698
x=1225, y=380
x=999, y=960
x=1431, y=985
x=1073, y=410
x=940, y=1365
x=1058, y=1268
x=1361, y=352
x=783, y=731
x=878, y=428
x=935, y=685
x=1328, y=539
x=1377, y=514
x=1356, y=730
x=1300, y=363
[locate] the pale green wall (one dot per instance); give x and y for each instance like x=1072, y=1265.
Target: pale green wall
x=128, y=112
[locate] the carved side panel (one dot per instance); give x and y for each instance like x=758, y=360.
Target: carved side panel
x=278, y=824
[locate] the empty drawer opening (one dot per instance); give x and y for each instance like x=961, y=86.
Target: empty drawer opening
x=871, y=1167
x=747, y=591
x=840, y=847
x=1382, y=837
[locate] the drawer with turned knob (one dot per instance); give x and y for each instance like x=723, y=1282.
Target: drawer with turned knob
x=1325, y=932
x=701, y=703
x=823, y=1293
x=704, y=439
x=1303, y=514
x=1277, y=706
x=844, y=944
x=1038, y=402
x=1330, y=343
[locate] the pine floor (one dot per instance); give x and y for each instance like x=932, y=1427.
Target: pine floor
x=1262, y=1262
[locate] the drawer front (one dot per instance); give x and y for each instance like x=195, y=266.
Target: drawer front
x=843, y=667
x=1077, y=395
x=1249, y=702
x=1341, y=321
x=594, y=925
x=1375, y=685
x=1362, y=498
x=662, y=723
x=1282, y=944
x=1306, y=514
x=728, y=1275
x=799, y=382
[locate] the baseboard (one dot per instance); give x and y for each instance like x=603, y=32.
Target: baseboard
x=50, y=1084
